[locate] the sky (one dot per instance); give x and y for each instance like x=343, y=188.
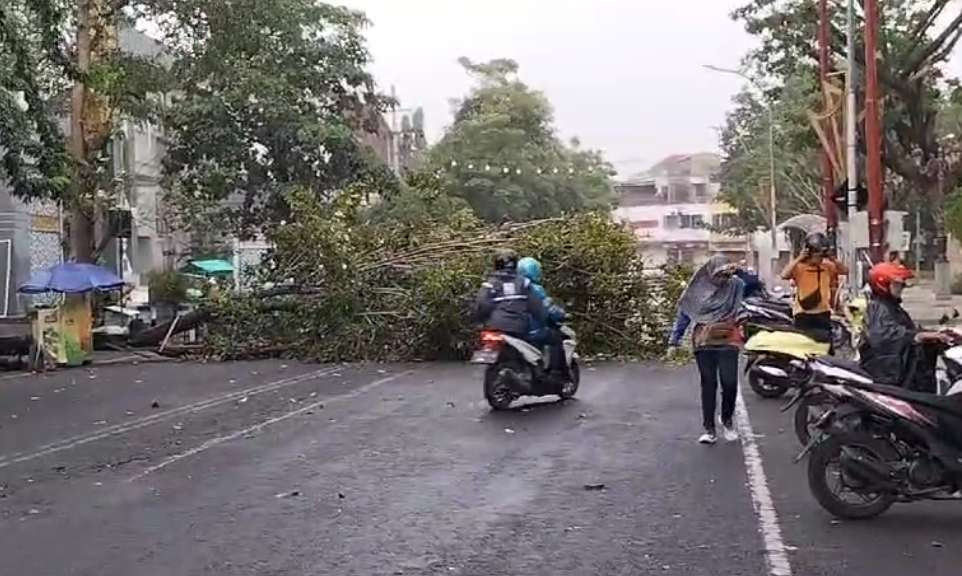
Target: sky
x=624, y=76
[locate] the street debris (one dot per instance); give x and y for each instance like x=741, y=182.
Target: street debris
x=100, y=422
x=242, y=400
x=595, y=487
x=178, y=426
x=34, y=398
x=291, y=494
x=155, y=404
x=341, y=495
x=509, y=431
x=450, y=404
x=937, y=544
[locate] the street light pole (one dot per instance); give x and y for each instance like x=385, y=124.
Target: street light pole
x=851, y=145
x=772, y=199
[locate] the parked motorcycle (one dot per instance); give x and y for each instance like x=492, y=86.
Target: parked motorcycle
x=812, y=402
x=770, y=368
x=515, y=368
x=880, y=445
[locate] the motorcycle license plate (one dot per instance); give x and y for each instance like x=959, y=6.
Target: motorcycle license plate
x=485, y=357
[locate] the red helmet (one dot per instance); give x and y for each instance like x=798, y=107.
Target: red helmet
x=881, y=276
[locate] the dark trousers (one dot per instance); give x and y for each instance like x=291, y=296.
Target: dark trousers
x=557, y=363
x=717, y=365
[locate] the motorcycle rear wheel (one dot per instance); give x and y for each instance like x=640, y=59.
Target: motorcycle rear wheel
x=497, y=387
x=570, y=388
x=828, y=452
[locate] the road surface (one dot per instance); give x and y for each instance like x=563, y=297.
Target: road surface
x=270, y=468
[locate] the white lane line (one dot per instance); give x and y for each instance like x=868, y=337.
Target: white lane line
x=775, y=551
x=122, y=428
x=257, y=427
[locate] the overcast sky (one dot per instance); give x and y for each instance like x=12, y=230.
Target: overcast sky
x=624, y=76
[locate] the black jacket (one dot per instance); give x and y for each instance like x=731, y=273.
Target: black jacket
x=504, y=303
x=888, y=346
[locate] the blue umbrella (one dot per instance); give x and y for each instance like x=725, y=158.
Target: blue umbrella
x=72, y=278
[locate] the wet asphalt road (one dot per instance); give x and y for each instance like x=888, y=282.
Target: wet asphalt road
x=274, y=469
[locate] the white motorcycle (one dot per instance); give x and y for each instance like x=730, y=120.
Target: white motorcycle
x=515, y=368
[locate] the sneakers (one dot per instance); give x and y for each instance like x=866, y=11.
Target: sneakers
x=708, y=438
x=729, y=432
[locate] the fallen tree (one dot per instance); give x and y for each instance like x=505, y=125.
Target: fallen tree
x=360, y=288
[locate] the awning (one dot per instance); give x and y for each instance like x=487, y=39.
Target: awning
x=72, y=278
x=212, y=267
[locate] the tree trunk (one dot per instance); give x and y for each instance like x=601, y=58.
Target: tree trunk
x=91, y=124
x=80, y=225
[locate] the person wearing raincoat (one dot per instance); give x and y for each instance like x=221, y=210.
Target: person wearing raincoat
x=711, y=302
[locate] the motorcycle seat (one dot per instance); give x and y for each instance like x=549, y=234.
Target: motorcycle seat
x=951, y=404
x=845, y=364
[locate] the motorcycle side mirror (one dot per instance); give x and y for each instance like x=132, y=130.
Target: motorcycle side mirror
x=955, y=313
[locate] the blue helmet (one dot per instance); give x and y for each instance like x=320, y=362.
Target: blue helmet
x=530, y=269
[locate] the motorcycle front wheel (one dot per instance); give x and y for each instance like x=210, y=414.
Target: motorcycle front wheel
x=766, y=387
x=807, y=413
x=837, y=491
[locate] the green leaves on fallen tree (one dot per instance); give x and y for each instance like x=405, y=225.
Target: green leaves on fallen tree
x=356, y=291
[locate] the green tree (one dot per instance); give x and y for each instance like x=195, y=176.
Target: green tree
x=272, y=97
x=61, y=60
x=913, y=48
x=746, y=172
x=503, y=157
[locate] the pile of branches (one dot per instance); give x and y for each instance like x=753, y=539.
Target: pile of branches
x=349, y=288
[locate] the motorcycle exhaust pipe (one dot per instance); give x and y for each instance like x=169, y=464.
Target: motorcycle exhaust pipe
x=874, y=474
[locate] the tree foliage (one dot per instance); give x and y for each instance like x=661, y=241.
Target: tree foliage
x=376, y=289
x=503, y=157
x=746, y=172
x=272, y=97
x=913, y=47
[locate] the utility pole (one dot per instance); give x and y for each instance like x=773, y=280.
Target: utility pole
x=873, y=135
x=828, y=177
x=851, y=145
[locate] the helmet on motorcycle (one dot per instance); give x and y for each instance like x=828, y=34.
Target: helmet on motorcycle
x=882, y=276
x=817, y=244
x=530, y=269
x=505, y=259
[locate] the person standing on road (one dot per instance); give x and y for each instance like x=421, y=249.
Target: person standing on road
x=815, y=274
x=711, y=302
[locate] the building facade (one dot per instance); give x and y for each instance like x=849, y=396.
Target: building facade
x=674, y=211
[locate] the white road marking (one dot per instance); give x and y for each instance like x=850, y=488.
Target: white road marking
x=256, y=427
x=122, y=428
x=776, y=553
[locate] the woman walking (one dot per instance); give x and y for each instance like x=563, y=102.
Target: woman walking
x=711, y=302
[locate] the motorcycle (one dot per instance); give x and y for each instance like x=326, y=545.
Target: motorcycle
x=776, y=360
x=812, y=402
x=515, y=368
x=884, y=445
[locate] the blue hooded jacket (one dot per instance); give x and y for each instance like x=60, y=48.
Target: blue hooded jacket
x=538, y=330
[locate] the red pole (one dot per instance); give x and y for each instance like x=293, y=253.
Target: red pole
x=873, y=136
x=828, y=177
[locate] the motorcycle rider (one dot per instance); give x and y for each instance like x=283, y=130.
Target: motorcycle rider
x=506, y=300
x=545, y=333
x=894, y=351
x=815, y=274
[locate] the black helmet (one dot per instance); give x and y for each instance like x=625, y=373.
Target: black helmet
x=817, y=243
x=505, y=259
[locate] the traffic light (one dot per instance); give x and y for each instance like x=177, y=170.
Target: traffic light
x=841, y=197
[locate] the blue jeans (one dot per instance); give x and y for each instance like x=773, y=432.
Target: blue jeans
x=717, y=365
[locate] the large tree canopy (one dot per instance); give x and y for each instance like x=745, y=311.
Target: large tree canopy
x=272, y=97
x=262, y=98
x=503, y=157
x=916, y=38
